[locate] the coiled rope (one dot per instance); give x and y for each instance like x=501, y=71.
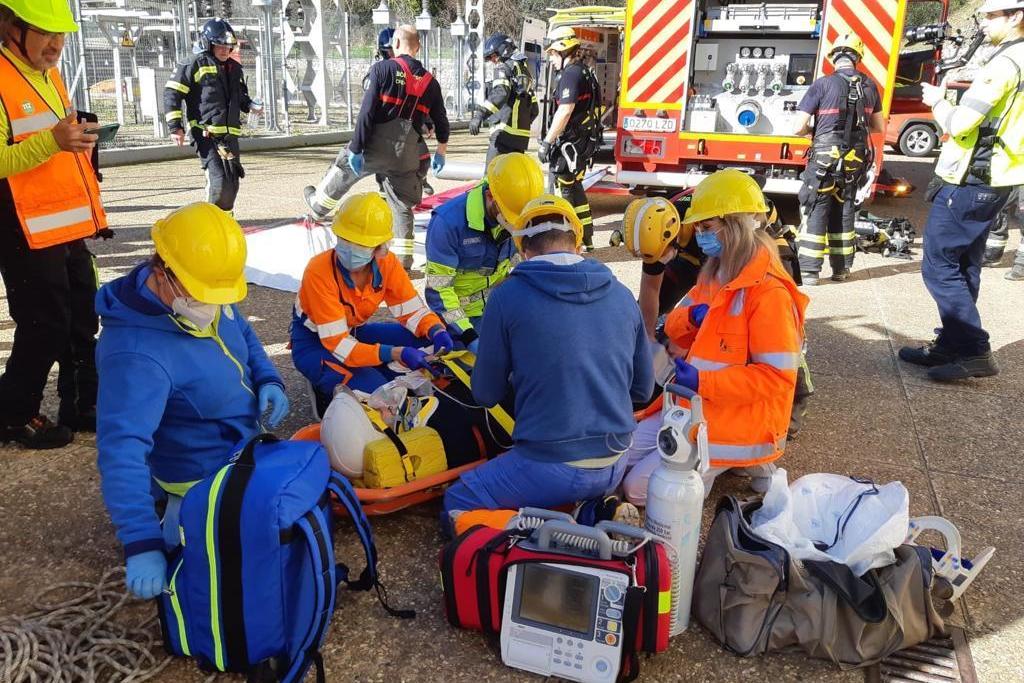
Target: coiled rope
x=85, y=638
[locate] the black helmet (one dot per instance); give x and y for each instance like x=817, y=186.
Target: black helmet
x=218, y=31
x=384, y=39
x=499, y=44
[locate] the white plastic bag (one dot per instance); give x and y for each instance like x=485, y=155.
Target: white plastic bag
x=832, y=517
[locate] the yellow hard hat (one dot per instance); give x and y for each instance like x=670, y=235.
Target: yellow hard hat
x=53, y=16
x=514, y=179
x=847, y=42
x=649, y=226
x=723, y=193
x=561, y=39
x=364, y=219
x=205, y=249
x=546, y=205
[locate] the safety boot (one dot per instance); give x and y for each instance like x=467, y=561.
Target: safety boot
x=965, y=367
x=808, y=279
x=39, y=433
x=318, y=212
x=840, y=275
x=1015, y=273
x=930, y=355
x=428, y=189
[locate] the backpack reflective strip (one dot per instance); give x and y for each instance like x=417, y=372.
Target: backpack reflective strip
x=176, y=606
x=211, y=554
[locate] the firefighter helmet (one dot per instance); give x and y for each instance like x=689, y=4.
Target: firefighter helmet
x=847, y=44
x=364, y=219
x=218, y=31
x=205, y=249
x=499, y=44
x=650, y=225
x=562, y=39
x=384, y=38
x=723, y=193
x=513, y=180
x=541, y=210
x=53, y=16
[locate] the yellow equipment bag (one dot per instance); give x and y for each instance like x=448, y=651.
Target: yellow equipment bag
x=399, y=459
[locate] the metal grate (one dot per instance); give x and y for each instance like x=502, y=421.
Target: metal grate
x=943, y=660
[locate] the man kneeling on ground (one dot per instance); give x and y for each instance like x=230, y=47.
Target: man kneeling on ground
x=567, y=338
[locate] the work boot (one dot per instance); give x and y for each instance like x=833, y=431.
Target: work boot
x=840, y=275
x=808, y=279
x=428, y=189
x=315, y=210
x=965, y=367
x=930, y=355
x=796, y=417
x=1015, y=273
x=39, y=433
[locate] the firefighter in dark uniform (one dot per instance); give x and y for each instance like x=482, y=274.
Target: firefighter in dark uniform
x=575, y=133
x=846, y=110
x=388, y=140
x=511, y=104
x=212, y=88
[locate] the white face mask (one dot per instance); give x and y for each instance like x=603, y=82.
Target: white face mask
x=196, y=312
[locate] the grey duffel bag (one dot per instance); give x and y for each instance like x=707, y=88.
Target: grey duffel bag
x=754, y=598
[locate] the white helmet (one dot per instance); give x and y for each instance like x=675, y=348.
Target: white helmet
x=344, y=431
x=1000, y=6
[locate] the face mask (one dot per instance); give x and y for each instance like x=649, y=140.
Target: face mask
x=353, y=256
x=196, y=312
x=709, y=243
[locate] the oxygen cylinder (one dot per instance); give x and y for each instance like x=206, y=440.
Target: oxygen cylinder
x=675, y=497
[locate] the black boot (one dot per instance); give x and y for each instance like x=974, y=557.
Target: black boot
x=965, y=367
x=930, y=355
x=38, y=434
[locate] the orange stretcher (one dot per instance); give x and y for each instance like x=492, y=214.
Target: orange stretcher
x=386, y=501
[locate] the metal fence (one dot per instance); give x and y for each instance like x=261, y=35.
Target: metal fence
x=306, y=59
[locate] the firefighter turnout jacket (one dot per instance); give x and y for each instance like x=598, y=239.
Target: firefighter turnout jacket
x=511, y=100
x=214, y=94
x=331, y=306
x=747, y=351
x=986, y=130
x=467, y=257
x=54, y=194
x=577, y=85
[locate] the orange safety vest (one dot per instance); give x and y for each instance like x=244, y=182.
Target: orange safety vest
x=332, y=307
x=747, y=351
x=59, y=200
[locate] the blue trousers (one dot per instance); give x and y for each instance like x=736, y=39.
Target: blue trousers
x=511, y=481
x=954, y=243
x=323, y=369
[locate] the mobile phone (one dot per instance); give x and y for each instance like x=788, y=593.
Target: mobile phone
x=106, y=133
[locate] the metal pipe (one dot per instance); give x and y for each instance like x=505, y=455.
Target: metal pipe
x=348, y=73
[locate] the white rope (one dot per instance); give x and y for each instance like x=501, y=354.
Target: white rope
x=81, y=639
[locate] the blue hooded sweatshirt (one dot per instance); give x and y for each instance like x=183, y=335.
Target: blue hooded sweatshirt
x=173, y=402
x=568, y=338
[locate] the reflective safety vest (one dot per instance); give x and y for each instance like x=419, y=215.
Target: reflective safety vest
x=747, y=351
x=986, y=130
x=331, y=306
x=465, y=261
x=59, y=200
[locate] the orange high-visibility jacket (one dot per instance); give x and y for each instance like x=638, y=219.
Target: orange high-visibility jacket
x=59, y=200
x=331, y=306
x=747, y=352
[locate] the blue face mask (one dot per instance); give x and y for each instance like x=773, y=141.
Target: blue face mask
x=353, y=256
x=709, y=244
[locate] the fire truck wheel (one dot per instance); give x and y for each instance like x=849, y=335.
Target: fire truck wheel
x=918, y=140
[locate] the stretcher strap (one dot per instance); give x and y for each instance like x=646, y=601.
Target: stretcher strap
x=499, y=413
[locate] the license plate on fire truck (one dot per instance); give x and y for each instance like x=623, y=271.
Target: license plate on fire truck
x=649, y=125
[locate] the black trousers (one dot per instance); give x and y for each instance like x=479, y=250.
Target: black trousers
x=221, y=186
x=51, y=297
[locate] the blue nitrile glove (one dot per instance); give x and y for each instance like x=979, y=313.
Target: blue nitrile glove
x=356, y=161
x=697, y=314
x=146, y=574
x=474, y=345
x=416, y=359
x=437, y=163
x=686, y=374
x=442, y=341
x=272, y=397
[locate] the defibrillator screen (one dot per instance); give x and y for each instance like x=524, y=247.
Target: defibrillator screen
x=565, y=600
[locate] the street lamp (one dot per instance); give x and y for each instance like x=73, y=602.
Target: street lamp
x=382, y=15
x=424, y=24
x=459, y=34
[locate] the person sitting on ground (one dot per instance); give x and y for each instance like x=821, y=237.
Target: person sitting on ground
x=469, y=249
x=740, y=331
x=331, y=341
x=183, y=380
x=567, y=337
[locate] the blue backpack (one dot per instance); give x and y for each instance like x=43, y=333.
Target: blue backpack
x=251, y=588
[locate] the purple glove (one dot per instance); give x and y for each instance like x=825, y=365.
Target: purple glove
x=686, y=374
x=442, y=341
x=416, y=359
x=697, y=314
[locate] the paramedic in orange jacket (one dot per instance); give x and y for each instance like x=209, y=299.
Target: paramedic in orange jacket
x=737, y=337
x=332, y=343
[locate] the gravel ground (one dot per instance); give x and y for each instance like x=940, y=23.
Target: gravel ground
x=871, y=416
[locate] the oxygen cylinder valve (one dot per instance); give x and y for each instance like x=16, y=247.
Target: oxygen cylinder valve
x=761, y=84
x=729, y=82
x=778, y=78
x=745, y=75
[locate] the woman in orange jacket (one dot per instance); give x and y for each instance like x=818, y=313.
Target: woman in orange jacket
x=736, y=336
